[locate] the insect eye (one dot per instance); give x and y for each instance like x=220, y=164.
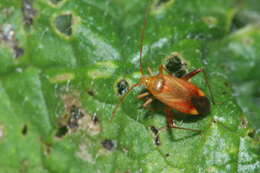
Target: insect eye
x=201, y=103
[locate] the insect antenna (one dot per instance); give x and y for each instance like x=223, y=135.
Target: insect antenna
x=141, y=67
x=142, y=37
x=122, y=99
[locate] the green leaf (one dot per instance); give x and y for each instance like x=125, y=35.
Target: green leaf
x=64, y=65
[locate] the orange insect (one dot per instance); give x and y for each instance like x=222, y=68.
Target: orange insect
x=175, y=93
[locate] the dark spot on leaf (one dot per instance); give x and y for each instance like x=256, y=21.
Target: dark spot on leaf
x=72, y=124
x=7, y=35
x=226, y=84
x=154, y=130
x=240, y=20
x=167, y=155
x=28, y=12
x=91, y=92
x=122, y=87
x=157, y=138
x=201, y=103
x=75, y=115
x=175, y=65
x=63, y=24
x=24, y=130
x=95, y=119
x=108, y=144
x=251, y=133
x=18, y=51
x=76, y=112
x=56, y=1
x=63, y=130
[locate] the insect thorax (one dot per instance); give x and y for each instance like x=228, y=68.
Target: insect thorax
x=157, y=84
x=154, y=83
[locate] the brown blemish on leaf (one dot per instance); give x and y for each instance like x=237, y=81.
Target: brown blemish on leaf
x=243, y=122
x=76, y=118
x=28, y=12
x=86, y=123
x=71, y=99
x=84, y=154
x=7, y=36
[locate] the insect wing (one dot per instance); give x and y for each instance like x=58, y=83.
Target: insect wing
x=177, y=94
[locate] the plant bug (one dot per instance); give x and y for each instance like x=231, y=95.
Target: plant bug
x=174, y=92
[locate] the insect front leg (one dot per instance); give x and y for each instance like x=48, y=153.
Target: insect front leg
x=169, y=117
x=191, y=74
x=162, y=68
x=149, y=71
x=147, y=102
x=143, y=95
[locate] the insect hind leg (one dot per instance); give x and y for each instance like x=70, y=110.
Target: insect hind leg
x=148, y=102
x=191, y=74
x=143, y=95
x=171, y=124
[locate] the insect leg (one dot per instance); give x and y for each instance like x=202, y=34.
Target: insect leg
x=149, y=71
x=147, y=102
x=162, y=68
x=191, y=74
x=143, y=95
x=170, y=122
